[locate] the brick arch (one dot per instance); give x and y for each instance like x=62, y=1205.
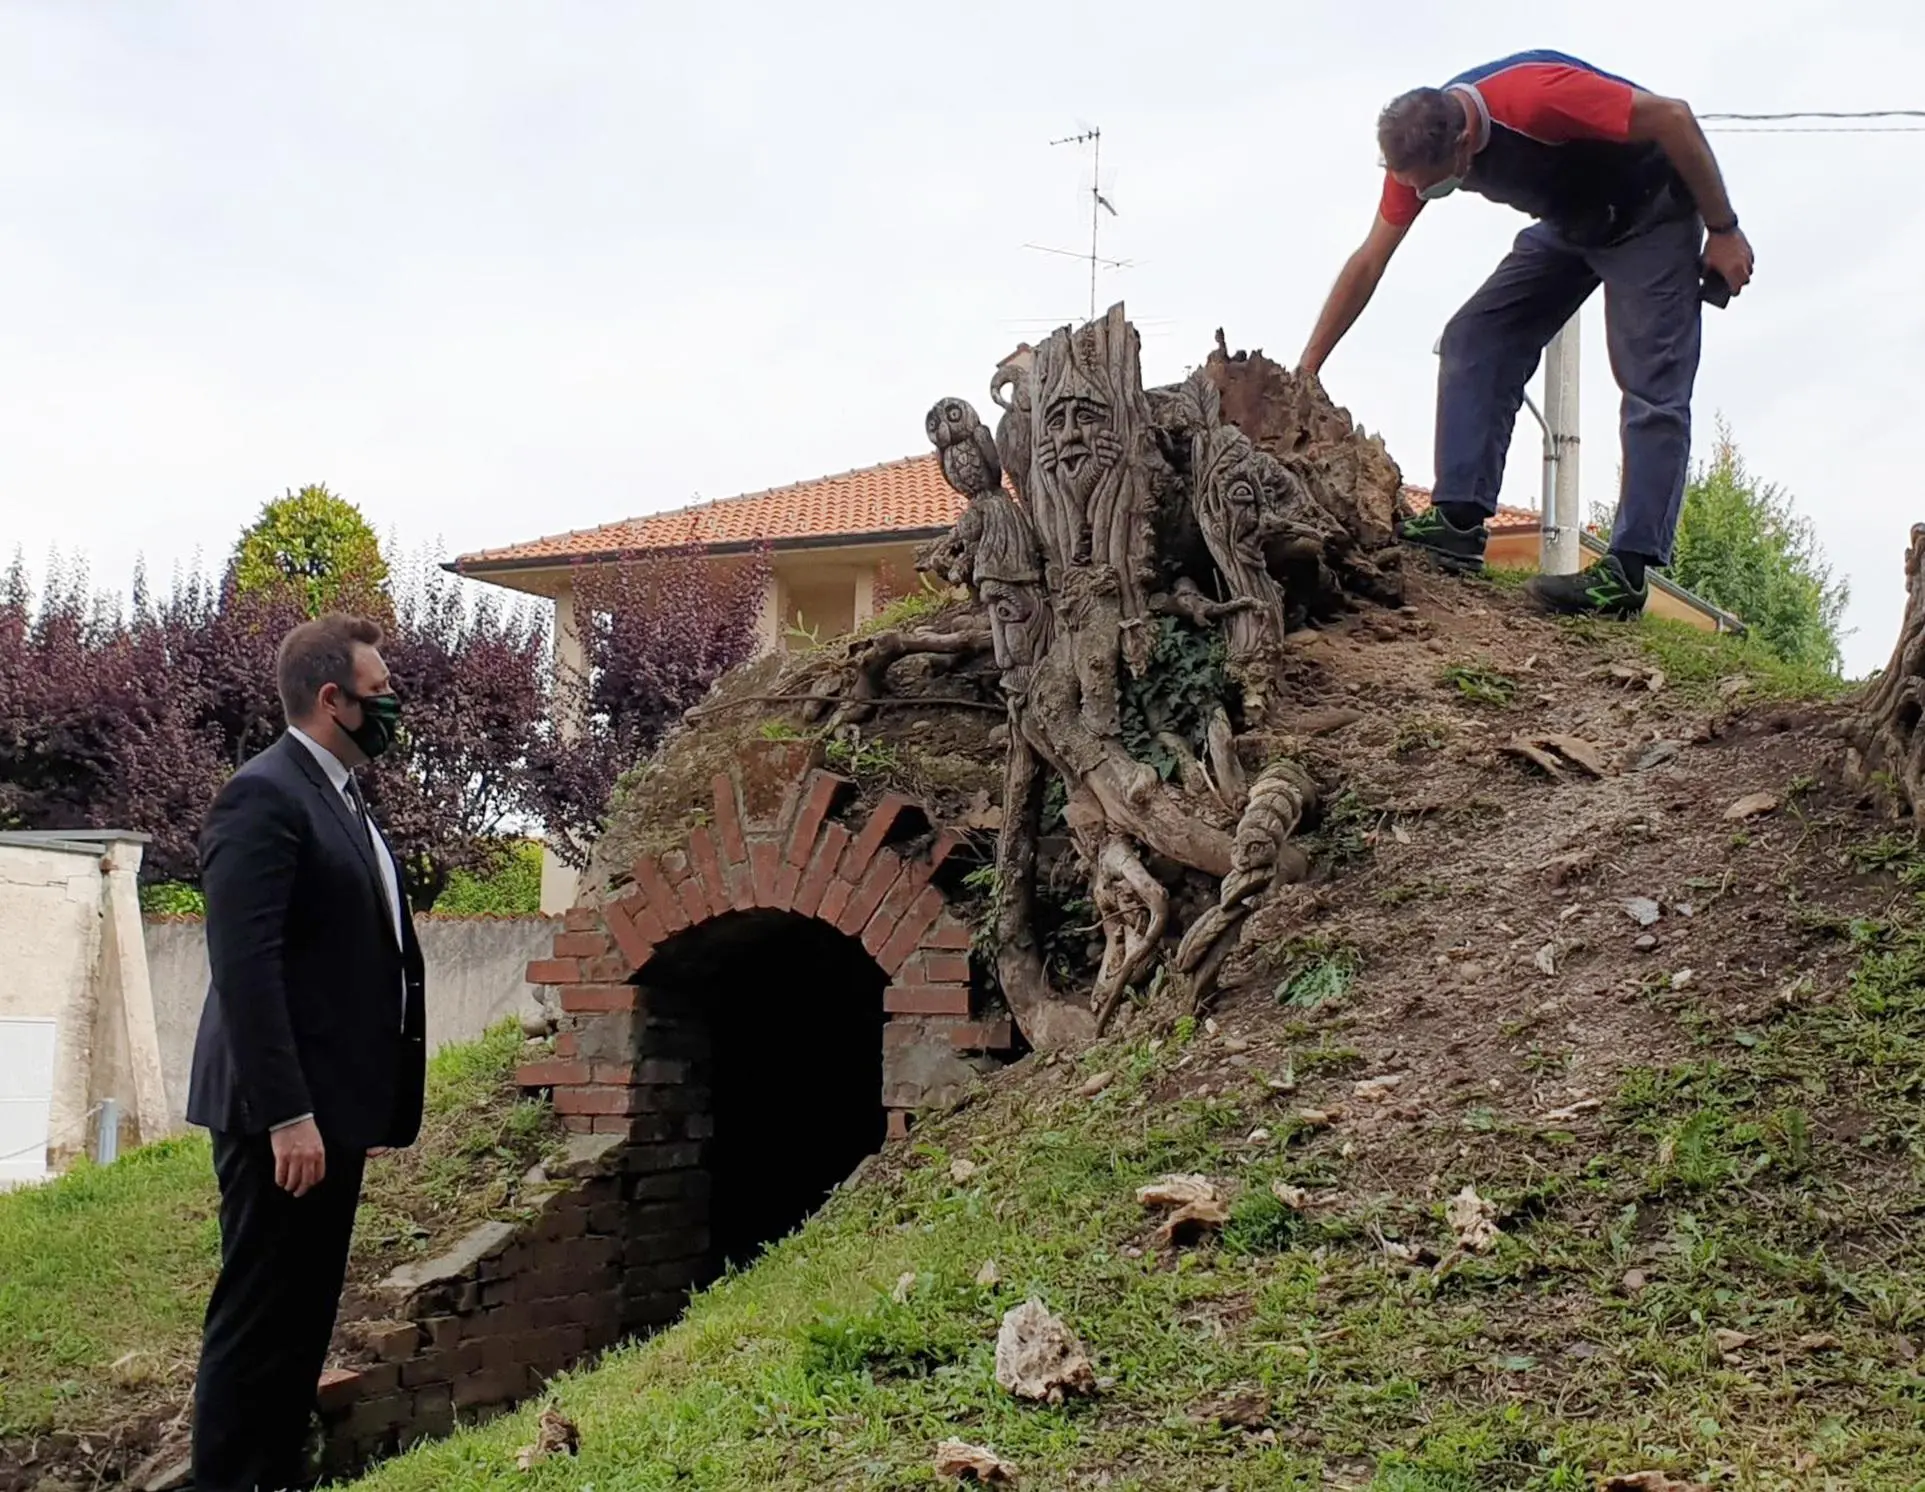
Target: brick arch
x=787, y=836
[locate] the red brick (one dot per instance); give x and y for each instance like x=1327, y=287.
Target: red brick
x=694, y=897
x=581, y=919
x=706, y=866
x=551, y=1074
x=618, y=1074
x=580, y=944
x=883, y=873
x=578, y=1124
x=728, y=820
x=881, y=822
x=596, y=1100
x=555, y=971
x=945, y=845
x=599, y=999
x=822, y=866
x=914, y=922
x=835, y=901
x=609, y=1124
x=567, y=1044
x=981, y=1036
x=902, y=1032
x=950, y=933
x=926, y=999
x=898, y=1125
x=338, y=1388
x=607, y=968
x=635, y=928
x=661, y=896
x=881, y=926
x=741, y=887
x=764, y=856
x=945, y=968
x=822, y=788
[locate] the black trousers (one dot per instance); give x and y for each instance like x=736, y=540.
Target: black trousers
x=283, y=1259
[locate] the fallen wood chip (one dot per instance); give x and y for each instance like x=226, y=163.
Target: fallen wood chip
x=1751, y=805
x=1576, y=750
x=1316, y=1118
x=1648, y=1481
x=905, y=1287
x=1038, y=1357
x=1546, y=960
x=989, y=1276
x=1176, y=1191
x=1247, y=1410
x=1096, y=1084
x=1535, y=755
x=555, y=1435
x=972, y=1463
x=1376, y=1090
x=1293, y=1197
x=1642, y=910
x=1571, y=1111
x=1326, y=722
x=1473, y=1219
x=1732, y=687
x=1191, y=1221
x=1730, y=1341
x=961, y=1170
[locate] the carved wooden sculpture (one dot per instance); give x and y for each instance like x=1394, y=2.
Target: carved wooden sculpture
x=1099, y=513
x=1888, y=744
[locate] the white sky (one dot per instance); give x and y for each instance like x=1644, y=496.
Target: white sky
x=497, y=270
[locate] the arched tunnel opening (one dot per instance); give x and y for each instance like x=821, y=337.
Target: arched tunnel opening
x=781, y=1019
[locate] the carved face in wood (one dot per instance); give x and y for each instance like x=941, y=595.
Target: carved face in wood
x=1079, y=435
x=1017, y=622
x=1230, y=491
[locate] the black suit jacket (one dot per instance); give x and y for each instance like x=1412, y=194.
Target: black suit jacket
x=304, y=1011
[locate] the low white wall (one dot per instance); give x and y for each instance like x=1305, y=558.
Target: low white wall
x=71, y=951
x=477, y=969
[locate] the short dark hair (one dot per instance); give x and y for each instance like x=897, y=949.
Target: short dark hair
x=316, y=653
x=1419, y=130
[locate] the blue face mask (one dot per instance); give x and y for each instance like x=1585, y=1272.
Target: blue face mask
x=1438, y=190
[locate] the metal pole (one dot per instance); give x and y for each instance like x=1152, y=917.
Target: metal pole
x=107, y=1137
x=1560, y=415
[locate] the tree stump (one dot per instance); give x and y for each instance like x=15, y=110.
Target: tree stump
x=1887, y=746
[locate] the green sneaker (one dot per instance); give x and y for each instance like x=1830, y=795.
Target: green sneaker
x=1602, y=590
x=1431, y=533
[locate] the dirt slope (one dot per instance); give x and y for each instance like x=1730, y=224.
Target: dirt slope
x=1676, y=1055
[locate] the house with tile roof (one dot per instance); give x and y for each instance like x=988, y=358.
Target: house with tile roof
x=836, y=549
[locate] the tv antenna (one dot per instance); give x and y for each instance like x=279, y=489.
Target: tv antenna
x=1099, y=204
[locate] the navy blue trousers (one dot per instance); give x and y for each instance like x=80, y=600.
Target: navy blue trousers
x=1652, y=312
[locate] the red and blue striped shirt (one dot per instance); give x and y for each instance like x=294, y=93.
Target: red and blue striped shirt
x=1558, y=146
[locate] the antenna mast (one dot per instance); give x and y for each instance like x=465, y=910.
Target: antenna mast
x=1098, y=205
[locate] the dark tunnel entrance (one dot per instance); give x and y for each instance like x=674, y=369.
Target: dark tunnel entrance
x=791, y=1012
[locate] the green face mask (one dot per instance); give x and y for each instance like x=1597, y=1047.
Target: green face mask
x=380, y=717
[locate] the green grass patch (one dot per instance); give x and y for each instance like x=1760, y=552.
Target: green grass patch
x=1480, y=684
x=510, y=887
x=1720, y=1283
x=104, y=1272
x=1697, y=662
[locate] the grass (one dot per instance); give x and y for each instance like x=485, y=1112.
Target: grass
x=104, y=1272
x=1766, y=1189
x=1696, y=662
x=1480, y=684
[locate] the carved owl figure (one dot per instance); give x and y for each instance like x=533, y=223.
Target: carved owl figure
x=965, y=447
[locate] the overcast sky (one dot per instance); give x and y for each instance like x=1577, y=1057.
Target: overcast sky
x=496, y=270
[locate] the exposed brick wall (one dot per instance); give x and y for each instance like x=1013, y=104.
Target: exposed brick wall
x=624, y=1237
x=779, y=841
x=476, y=1330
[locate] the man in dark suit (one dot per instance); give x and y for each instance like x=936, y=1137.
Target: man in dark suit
x=309, y=1055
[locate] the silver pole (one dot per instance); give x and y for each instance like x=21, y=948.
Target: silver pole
x=107, y=1137
x=1561, y=416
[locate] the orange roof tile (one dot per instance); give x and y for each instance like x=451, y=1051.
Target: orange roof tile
x=1506, y=520
x=898, y=499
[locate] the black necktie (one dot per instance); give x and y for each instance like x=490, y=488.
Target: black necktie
x=360, y=804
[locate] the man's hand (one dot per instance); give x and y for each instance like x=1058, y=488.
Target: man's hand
x=1730, y=255
x=375, y=1152
x=300, y=1160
